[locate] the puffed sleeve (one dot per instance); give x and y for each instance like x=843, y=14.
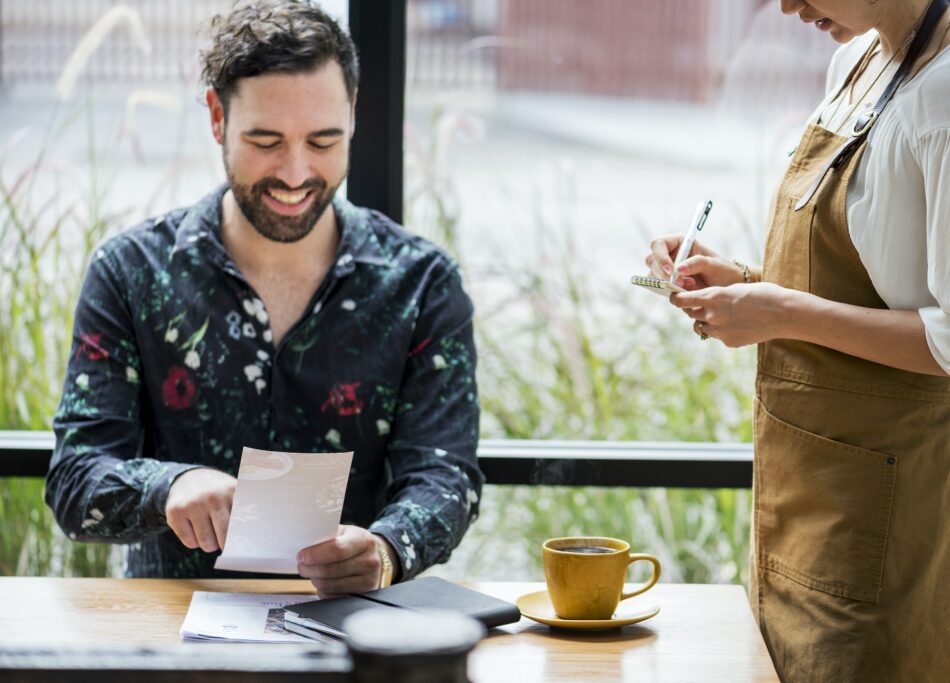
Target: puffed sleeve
x=934, y=157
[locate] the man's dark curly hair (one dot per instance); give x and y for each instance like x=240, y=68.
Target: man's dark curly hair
x=275, y=36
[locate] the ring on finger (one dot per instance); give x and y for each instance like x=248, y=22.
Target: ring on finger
x=701, y=326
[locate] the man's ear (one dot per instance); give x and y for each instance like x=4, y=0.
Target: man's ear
x=216, y=110
x=353, y=114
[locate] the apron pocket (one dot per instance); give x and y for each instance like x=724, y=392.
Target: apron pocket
x=823, y=508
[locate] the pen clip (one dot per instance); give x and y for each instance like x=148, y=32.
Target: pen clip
x=701, y=221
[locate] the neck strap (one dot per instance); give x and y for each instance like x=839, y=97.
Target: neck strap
x=864, y=123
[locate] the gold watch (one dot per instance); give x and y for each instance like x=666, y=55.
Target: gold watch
x=386, y=563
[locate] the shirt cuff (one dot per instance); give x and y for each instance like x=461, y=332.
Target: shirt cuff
x=405, y=553
x=156, y=495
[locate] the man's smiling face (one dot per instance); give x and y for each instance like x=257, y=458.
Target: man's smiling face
x=286, y=145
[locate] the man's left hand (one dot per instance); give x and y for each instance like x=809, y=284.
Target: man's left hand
x=346, y=564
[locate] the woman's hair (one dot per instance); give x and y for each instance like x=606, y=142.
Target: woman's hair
x=275, y=36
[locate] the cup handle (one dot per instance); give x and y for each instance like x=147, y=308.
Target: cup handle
x=650, y=582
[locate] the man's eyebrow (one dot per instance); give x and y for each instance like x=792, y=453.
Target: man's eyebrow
x=263, y=131
x=325, y=133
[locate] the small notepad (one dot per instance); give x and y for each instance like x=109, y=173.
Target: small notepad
x=655, y=284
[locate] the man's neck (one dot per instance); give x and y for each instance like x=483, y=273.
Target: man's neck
x=254, y=254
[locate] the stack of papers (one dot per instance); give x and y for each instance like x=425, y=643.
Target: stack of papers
x=241, y=617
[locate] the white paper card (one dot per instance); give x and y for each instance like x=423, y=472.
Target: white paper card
x=240, y=617
x=283, y=502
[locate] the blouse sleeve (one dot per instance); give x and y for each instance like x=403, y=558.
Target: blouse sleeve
x=934, y=156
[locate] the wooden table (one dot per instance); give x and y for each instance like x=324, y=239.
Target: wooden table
x=703, y=632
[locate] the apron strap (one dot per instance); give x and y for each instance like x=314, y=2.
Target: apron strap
x=864, y=123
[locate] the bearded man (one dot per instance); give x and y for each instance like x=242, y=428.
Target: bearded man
x=272, y=314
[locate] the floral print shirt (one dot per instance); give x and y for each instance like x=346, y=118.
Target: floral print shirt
x=173, y=367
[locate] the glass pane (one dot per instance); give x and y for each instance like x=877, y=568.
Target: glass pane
x=547, y=142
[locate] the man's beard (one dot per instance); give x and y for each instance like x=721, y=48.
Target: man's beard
x=271, y=224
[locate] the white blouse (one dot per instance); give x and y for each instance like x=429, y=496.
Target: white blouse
x=899, y=195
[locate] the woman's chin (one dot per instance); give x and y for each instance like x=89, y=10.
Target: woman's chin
x=842, y=35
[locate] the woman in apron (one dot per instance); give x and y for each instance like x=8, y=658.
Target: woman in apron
x=851, y=312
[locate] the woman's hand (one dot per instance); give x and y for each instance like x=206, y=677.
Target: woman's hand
x=739, y=314
x=703, y=268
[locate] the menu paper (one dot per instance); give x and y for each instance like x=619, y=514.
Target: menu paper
x=283, y=502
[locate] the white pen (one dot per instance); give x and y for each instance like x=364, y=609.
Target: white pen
x=699, y=220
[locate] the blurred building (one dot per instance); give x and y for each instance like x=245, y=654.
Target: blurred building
x=681, y=50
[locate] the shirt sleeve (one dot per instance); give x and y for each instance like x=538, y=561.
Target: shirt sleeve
x=98, y=487
x=436, y=479
x=934, y=154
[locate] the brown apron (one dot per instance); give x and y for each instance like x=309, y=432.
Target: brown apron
x=851, y=537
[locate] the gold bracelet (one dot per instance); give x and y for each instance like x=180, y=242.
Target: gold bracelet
x=386, y=564
x=746, y=273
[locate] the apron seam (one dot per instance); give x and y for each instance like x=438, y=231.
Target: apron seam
x=881, y=390
x=835, y=589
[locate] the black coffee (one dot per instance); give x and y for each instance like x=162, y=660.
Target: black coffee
x=587, y=549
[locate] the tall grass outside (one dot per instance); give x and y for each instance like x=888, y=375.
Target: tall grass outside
x=52, y=216
x=561, y=356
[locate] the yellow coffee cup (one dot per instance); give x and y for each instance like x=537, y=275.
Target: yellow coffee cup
x=586, y=574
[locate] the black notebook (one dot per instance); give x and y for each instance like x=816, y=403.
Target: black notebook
x=326, y=616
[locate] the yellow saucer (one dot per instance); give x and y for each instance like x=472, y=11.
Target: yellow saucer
x=537, y=606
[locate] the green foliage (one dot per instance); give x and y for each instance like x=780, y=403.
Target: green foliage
x=46, y=238
x=32, y=545
x=561, y=357
x=700, y=536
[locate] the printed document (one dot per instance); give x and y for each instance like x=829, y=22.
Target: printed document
x=283, y=502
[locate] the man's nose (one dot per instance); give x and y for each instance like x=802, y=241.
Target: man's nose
x=294, y=170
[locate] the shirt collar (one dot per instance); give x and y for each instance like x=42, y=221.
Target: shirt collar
x=201, y=225
x=359, y=243
x=201, y=222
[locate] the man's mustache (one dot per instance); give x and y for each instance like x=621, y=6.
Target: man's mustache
x=277, y=184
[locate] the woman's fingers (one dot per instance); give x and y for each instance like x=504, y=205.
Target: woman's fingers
x=713, y=270
x=696, y=313
x=663, y=249
x=654, y=266
x=694, y=265
x=688, y=283
x=690, y=300
x=703, y=329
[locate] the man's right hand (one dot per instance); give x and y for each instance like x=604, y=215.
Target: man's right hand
x=199, y=507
